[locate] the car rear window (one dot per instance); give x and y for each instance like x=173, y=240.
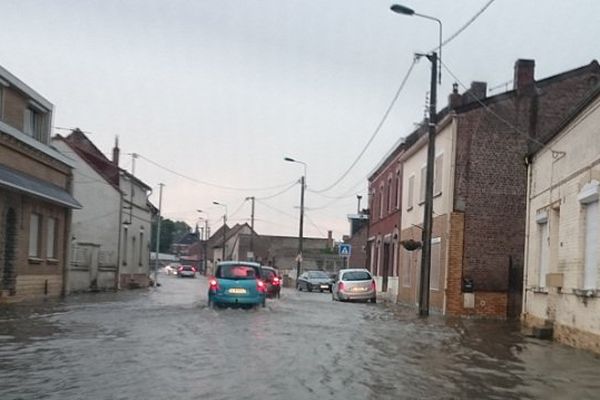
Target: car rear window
x=356, y=276
x=237, y=272
x=317, y=274
x=268, y=274
x=187, y=268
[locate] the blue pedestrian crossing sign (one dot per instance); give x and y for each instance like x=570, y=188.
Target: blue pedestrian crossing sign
x=345, y=249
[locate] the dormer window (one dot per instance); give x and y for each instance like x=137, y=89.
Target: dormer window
x=33, y=123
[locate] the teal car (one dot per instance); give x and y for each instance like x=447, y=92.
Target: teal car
x=237, y=283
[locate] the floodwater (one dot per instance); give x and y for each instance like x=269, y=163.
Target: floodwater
x=165, y=343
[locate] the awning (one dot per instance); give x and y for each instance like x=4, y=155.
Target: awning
x=18, y=181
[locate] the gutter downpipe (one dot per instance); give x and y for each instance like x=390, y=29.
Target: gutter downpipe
x=118, y=272
x=527, y=227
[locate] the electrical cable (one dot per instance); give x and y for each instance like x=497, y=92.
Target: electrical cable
x=278, y=193
x=278, y=210
x=209, y=183
x=376, y=131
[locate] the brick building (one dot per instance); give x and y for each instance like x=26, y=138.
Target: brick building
x=35, y=196
x=479, y=191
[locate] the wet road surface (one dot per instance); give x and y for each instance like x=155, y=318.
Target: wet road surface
x=166, y=344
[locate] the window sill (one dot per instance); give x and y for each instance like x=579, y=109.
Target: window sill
x=421, y=202
x=588, y=293
x=438, y=194
x=539, y=290
x=52, y=261
x=35, y=260
x=409, y=208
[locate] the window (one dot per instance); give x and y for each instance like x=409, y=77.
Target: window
x=411, y=189
x=125, y=230
x=423, y=184
x=141, y=247
x=398, y=190
x=51, y=238
x=32, y=125
x=381, y=202
x=1, y=101
x=543, y=252
x=389, y=196
x=438, y=174
x=590, y=275
x=34, y=235
x=436, y=261
x=133, y=249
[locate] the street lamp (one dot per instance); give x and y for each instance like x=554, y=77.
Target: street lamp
x=205, y=237
x=301, y=233
x=224, y=225
x=428, y=212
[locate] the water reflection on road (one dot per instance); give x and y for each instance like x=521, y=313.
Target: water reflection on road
x=165, y=343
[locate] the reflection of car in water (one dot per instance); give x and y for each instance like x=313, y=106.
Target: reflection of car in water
x=354, y=284
x=237, y=283
x=314, y=280
x=272, y=281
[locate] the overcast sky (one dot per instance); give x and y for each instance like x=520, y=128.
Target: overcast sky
x=222, y=90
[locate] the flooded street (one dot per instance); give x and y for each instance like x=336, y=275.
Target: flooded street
x=166, y=344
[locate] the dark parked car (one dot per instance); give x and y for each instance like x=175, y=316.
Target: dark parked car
x=314, y=280
x=272, y=281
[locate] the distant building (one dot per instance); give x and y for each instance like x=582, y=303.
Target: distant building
x=359, y=226
x=35, y=196
x=562, y=264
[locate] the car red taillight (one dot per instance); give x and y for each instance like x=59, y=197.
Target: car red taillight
x=193, y=269
x=180, y=269
x=276, y=281
x=373, y=287
x=341, y=286
x=260, y=285
x=214, y=285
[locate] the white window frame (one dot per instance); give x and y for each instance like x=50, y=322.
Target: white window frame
x=438, y=174
x=35, y=225
x=125, y=244
x=434, y=284
x=381, y=199
x=389, y=195
x=51, y=233
x=590, y=272
x=422, y=188
x=141, y=246
x=410, y=192
x=398, y=191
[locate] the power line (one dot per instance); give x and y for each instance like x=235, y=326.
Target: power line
x=313, y=224
x=278, y=193
x=209, y=183
x=377, y=129
x=465, y=26
x=277, y=210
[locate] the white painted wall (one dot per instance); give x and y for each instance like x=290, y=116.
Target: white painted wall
x=97, y=222
x=558, y=174
x=442, y=203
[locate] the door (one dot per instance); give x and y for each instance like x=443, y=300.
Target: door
x=10, y=241
x=515, y=288
x=386, y=267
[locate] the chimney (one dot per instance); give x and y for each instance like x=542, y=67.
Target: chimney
x=477, y=91
x=524, y=74
x=115, y=157
x=330, y=239
x=455, y=98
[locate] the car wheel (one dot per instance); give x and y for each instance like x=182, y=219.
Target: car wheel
x=264, y=303
x=309, y=287
x=278, y=294
x=298, y=287
x=373, y=300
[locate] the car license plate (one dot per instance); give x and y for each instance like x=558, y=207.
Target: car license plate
x=237, y=291
x=358, y=289
x=324, y=286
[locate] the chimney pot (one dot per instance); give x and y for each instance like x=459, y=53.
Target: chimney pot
x=524, y=74
x=116, y=151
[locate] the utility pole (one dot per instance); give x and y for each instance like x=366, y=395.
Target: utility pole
x=428, y=217
x=206, y=236
x=224, y=235
x=301, y=234
x=252, y=227
x=158, y=234
x=358, y=197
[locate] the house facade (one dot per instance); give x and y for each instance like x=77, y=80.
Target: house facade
x=562, y=270
x=480, y=187
x=385, y=202
x=94, y=243
x=35, y=197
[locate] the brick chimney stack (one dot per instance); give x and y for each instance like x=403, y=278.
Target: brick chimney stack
x=330, y=239
x=524, y=74
x=116, y=151
x=455, y=98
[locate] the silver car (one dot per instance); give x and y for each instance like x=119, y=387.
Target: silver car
x=354, y=284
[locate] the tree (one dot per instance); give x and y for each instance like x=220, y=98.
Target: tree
x=170, y=231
